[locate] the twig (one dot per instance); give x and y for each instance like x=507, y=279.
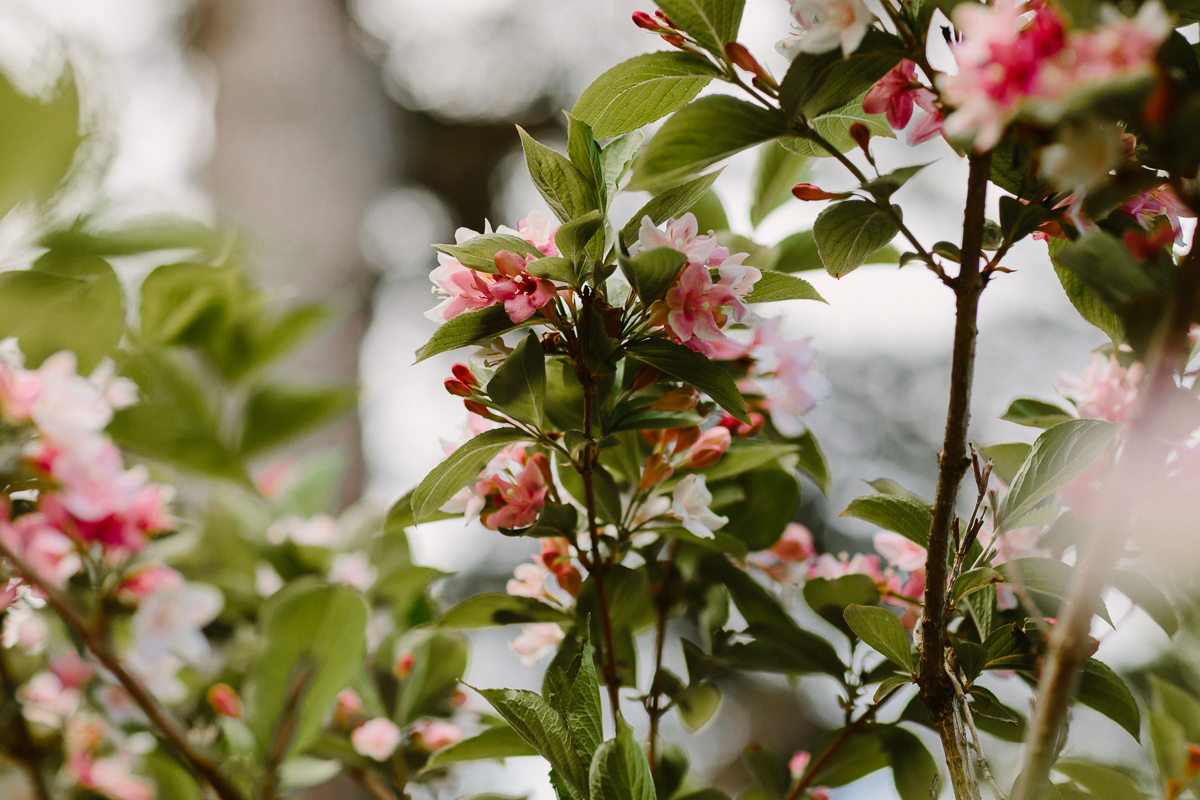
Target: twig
x=166, y=724
x=281, y=737
x=814, y=769
x=371, y=784
x=966, y=711
x=936, y=691
x=662, y=603
x=22, y=747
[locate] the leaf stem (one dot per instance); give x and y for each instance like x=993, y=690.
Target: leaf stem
x=162, y=719
x=936, y=689
x=281, y=737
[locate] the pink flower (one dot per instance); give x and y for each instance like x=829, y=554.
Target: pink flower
x=1106, y=390
x=1158, y=202
x=353, y=569
x=536, y=641
x=434, y=734
x=529, y=580
x=826, y=24
x=929, y=124
x=146, y=580
x=798, y=763
x=521, y=293
x=899, y=551
x=377, y=738
x=516, y=504
x=47, y=701
x=8, y=595
x=347, y=708
x=44, y=548
x=828, y=567
x=112, y=777
x=224, y=701
x=19, y=390
x=708, y=449
x=794, y=547
x=539, y=232
x=894, y=94
x=691, y=311
x=556, y=557
x=463, y=289
x=682, y=235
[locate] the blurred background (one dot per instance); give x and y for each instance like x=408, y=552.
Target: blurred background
x=345, y=136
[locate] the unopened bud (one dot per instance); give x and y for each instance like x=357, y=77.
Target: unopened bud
x=684, y=398
x=224, y=700
x=739, y=55
x=708, y=450
x=741, y=429
x=646, y=376
x=806, y=191
x=404, y=664
x=348, y=708
x=686, y=437
x=475, y=407
x=464, y=374
x=862, y=135
x=657, y=470
x=675, y=40
x=458, y=388
x=646, y=22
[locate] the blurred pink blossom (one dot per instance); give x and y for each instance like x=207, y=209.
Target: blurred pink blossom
x=1106, y=390
x=376, y=738
x=536, y=641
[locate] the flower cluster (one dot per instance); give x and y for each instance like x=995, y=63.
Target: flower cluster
x=1015, y=52
x=896, y=94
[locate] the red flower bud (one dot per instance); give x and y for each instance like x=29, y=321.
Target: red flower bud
x=646, y=22
x=657, y=470
x=675, y=40
x=684, y=398
x=861, y=134
x=739, y=55
x=646, y=376
x=458, y=388
x=224, y=700
x=806, y=191
x=686, y=437
x=404, y=664
x=708, y=449
x=741, y=429
x=464, y=374
x=475, y=407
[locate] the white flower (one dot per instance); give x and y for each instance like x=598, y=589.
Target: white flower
x=25, y=629
x=1083, y=157
x=166, y=635
x=118, y=392
x=266, y=580
x=537, y=641
x=47, y=701
x=824, y=24
x=319, y=531
x=353, y=569
x=377, y=738
x=690, y=501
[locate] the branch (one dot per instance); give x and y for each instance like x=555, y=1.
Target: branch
x=936, y=690
x=1143, y=455
x=22, y=747
x=966, y=711
x=166, y=724
x=281, y=737
x=814, y=769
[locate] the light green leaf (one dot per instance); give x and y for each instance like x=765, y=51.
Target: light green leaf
x=835, y=126
x=459, y=469
x=37, y=141
x=543, y=728
x=585, y=155
x=690, y=367
x=652, y=272
x=1007, y=459
x=700, y=134
x=713, y=23
x=883, y=631
x=1047, y=577
x=619, y=770
x=1035, y=413
x=671, y=204
x=848, y=232
x=972, y=581
x=470, y=327
x=487, y=610
x=1104, y=782
x=897, y=513
x=817, y=83
x=493, y=743
x=616, y=158
x=322, y=628
x=572, y=240
x=776, y=172
x=830, y=598
x=575, y=694
x=480, y=252
x=1170, y=748
x=439, y=662
x=812, y=461
x=641, y=90
x=1144, y=593
x=889, y=685
x=1058, y=456
x=1178, y=704
x=798, y=253
x=774, y=286
x=301, y=772
x=277, y=413
x=697, y=705
x=1089, y=305
x=519, y=386
x=561, y=184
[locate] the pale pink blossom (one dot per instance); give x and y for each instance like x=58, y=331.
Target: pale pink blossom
x=1106, y=390
x=536, y=641
x=896, y=93
x=515, y=504
x=794, y=548
x=353, y=569
x=690, y=503
x=824, y=25
x=166, y=635
x=68, y=403
x=679, y=234
x=377, y=738
x=434, y=734
x=1152, y=204
x=45, y=549
x=798, y=763
x=118, y=392
x=86, y=737
x=521, y=293
x=147, y=579
x=47, y=701
x=539, y=232
x=347, y=708
x=73, y=671
x=318, y=531
x=900, y=551
x=529, y=580
x=24, y=628
x=831, y=567
x=691, y=311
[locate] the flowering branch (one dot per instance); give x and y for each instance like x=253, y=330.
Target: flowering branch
x=936, y=690
x=22, y=748
x=168, y=727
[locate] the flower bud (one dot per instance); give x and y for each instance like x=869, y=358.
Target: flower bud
x=224, y=700
x=709, y=448
x=646, y=376
x=348, y=708
x=806, y=191
x=685, y=437
x=739, y=55
x=646, y=22
x=684, y=398
x=404, y=664
x=458, y=388
x=464, y=374
x=479, y=409
x=741, y=429
x=862, y=135
x=657, y=470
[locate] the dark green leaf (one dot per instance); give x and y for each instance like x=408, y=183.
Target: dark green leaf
x=1035, y=413
x=882, y=631
x=519, y=386
x=776, y=172
x=480, y=252
x=774, y=286
x=652, y=272
x=888, y=184
x=914, y=772
x=468, y=328
x=817, y=83
x=690, y=367
x=972, y=658
x=812, y=461
x=713, y=23
x=585, y=155
x=619, y=770
x=910, y=518
x=492, y=743
x=858, y=757
x=743, y=456
x=830, y=598
x=768, y=770
x=1144, y=593
x=772, y=497
x=848, y=232
x=543, y=728
x=1045, y=578
x=276, y=414
x=439, y=662
x=459, y=469
x=555, y=519
x=486, y=610
x=671, y=204
x=572, y=240
x=891, y=684
x=641, y=90
x=561, y=184
x=834, y=128
x=1089, y=305
x=972, y=581
x=700, y=134
x=798, y=253
x=1100, y=689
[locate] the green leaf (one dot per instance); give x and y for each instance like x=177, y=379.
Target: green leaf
x=301, y=772
x=690, y=367
x=652, y=272
x=1107, y=268
x=817, y=83
x=971, y=657
x=487, y=610
x=1045, y=577
x=519, y=386
x=889, y=183
x=616, y=158
x=1144, y=593
x=1100, y=689
x=641, y=90
x=812, y=461
x=768, y=769
x=479, y=253
x=620, y=770
x=572, y=239
x=697, y=705
x=700, y=134
x=555, y=268
x=776, y=172
x=774, y=286
x=1007, y=459
x=49, y=312
x=830, y=598
x=459, y=469
x=910, y=518
x=834, y=128
x=671, y=204
x=585, y=155
x=710, y=213
x=322, y=628
x=561, y=184
x=1104, y=782
x=1170, y=748
x=772, y=497
x=38, y=141
x=972, y=581
x=1035, y=413
x=555, y=519
x=575, y=694
x=883, y=631
x=493, y=743
x=1059, y=455
x=847, y=232
x=1089, y=305
x=468, y=328
x=1177, y=704
x=889, y=685
x=798, y=253
x=276, y=413
x=713, y=23
x=914, y=772
x=439, y=662
x=171, y=778
x=858, y=757
x=543, y=728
